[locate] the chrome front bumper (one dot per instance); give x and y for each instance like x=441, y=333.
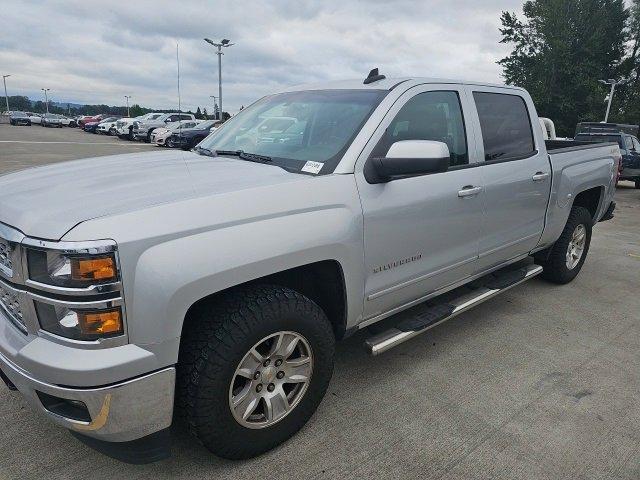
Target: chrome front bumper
x=122, y=412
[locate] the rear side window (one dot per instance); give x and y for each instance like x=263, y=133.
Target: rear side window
x=505, y=124
x=636, y=145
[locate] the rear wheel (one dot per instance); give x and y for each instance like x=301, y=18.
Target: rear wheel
x=254, y=366
x=637, y=184
x=566, y=257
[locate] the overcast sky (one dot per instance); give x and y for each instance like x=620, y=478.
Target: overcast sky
x=97, y=51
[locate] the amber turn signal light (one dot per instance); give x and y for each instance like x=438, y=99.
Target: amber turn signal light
x=106, y=322
x=96, y=268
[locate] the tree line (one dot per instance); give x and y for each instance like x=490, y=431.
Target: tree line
x=23, y=103
x=562, y=48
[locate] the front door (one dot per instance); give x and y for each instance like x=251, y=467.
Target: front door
x=420, y=233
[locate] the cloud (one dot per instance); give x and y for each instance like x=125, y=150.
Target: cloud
x=97, y=52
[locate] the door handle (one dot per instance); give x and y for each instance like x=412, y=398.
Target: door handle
x=540, y=176
x=469, y=191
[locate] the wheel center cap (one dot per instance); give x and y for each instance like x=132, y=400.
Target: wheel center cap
x=268, y=374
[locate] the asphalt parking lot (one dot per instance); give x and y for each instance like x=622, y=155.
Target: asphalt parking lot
x=540, y=382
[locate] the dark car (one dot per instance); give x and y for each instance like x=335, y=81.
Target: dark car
x=629, y=148
x=19, y=118
x=189, y=137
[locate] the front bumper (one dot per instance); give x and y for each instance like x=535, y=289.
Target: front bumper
x=121, y=412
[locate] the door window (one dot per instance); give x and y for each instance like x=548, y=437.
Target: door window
x=636, y=145
x=429, y=116
x=505, y=124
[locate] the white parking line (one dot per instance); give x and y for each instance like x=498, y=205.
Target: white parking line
x=85, y=143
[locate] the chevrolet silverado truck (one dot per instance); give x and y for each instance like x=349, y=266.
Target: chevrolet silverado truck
x=213, y=284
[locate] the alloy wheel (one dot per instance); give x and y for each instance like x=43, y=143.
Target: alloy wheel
x=271, y=380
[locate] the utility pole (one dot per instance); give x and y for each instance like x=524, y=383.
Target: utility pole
x=223, y=43
x=46, y=98
x=6, y=97
x=613, y=84
x=215, y=107
x=128, y=97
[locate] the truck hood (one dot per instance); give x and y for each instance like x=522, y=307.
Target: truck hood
x=46, y=202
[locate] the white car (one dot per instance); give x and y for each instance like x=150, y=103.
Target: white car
x=160, y=136
x=108, y=127
x=124, y=126
x=35, y=118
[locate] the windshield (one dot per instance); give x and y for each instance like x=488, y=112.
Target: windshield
x=600, y=138
x=298, y=127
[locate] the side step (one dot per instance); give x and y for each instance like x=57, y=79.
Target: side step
x=423, y=317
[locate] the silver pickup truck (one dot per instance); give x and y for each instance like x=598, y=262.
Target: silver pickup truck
x=213, y=284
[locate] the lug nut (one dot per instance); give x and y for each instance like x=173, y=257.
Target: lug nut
x=266, y=363
x=280, y=374
x=259, y=388
x=278, y=362
x=271, y=387
x=256, y=375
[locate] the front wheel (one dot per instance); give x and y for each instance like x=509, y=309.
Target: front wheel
x=568, y=254
x=637, y=184
x=254, y=366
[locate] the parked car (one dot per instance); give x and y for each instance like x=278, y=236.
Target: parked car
x=92, y=127
x=160, y=135
x=231, y=271
x=629, y=146
x=82, y=121
x=188, y=138
x=36, y=118
x=68, y=122
x=107, y=126
x=19, y=118
x=142, y=129
x=51, y=120
x=124, y=126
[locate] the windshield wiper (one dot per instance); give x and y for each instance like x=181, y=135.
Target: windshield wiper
x=252, y=157
x=204, y=151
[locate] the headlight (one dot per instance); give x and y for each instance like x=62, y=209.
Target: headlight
x=80, y=324
x=71, y=270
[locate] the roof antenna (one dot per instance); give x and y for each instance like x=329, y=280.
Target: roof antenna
x=373, y=76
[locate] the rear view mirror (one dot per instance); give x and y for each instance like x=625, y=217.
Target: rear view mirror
x=408, y=158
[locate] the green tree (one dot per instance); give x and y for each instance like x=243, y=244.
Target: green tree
x=626, y=102
x=560, y=51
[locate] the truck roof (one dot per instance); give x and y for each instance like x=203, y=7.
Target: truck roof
x=387, y=84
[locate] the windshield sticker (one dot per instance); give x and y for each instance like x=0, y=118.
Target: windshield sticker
x=312, y=167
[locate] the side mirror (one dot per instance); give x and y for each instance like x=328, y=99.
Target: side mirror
x=408, y=158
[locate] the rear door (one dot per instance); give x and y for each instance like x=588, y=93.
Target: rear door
x=420, y=234
x=516, y=174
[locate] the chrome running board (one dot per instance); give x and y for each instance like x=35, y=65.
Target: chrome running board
x=421, y=318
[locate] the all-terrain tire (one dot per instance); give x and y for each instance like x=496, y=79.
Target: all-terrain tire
x=218, y=335
x=555, y=264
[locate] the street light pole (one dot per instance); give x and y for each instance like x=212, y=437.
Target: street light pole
x=6, y=97
x=223, y=43
x=46, y=98
x=128, y=97
x=613, y=84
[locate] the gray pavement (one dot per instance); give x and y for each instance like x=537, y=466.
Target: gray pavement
x=540, y=382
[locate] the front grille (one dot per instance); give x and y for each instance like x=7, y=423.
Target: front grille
x=10, y=303
x=6, y=264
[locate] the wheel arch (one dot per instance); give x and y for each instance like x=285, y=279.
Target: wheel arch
x=323, y=282
x=591, y=199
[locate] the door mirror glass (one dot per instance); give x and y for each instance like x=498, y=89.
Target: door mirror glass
x=408, y=158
